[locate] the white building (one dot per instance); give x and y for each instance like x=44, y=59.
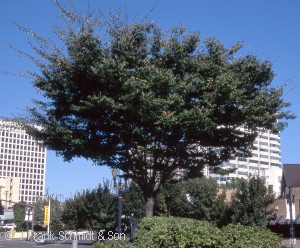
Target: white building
x=24, y=158
x=266, y=160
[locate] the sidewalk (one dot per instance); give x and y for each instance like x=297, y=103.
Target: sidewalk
x=287, y=242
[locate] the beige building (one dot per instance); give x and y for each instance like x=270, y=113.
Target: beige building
x=9, y=191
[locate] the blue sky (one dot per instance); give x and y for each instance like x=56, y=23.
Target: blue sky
x=269, y=29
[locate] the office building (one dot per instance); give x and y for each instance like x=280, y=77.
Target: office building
x=265, y=160
x=23, y=159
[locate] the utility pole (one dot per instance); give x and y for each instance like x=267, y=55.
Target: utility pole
x=6, y=198
x=48, y=227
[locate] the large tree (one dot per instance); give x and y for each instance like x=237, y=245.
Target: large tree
x=250, y=201
x=19, y=214
x=198, y=198
x=91, y=209
x=151, y=103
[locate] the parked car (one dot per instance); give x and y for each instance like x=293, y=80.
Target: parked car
x=46, y=239
x=8, y=226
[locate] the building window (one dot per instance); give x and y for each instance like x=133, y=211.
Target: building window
x=263, y=137
x=264, y=144
x=264, y=150
x=275, y=164
x=264, y=156
x=276, y=152
x=265, y=163
x=276, y=158
x=270, y=189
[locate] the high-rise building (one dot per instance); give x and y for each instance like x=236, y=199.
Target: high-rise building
x=265, y=160
x=24, y=159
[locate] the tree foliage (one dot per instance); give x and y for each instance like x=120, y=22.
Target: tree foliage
x=206, y=200
x=249, y=202
x=152, y=103
x=19, y=214
x=56, y=210
x=133, y=203
x=91, y=209
x=198, y=198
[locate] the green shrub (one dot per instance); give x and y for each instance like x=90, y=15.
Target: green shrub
x=177, y=232
x=241, y=236
x=188, y=233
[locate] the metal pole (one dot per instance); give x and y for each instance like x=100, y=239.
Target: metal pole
x=291, y=217
x=6, y=199
x=48, y=227
x=28, y=214
x=119, y=210
x=32, y=225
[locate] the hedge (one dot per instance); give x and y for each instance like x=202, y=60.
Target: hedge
x=173, y=232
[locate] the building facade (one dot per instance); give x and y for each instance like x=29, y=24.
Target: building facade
x=9, y=190
x=24, y=159
x=265, y=160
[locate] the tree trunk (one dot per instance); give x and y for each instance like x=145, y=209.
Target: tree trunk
x=149, y=207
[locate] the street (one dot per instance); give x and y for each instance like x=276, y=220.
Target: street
x=24, y=244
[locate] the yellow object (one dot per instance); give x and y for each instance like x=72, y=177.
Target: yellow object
x=46, y=217
x=13, y=233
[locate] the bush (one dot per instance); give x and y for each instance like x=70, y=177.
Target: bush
x=241, y=236
x=182, y=232
x=177, y=232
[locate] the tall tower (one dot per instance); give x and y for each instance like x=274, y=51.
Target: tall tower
x=24, y=159
x=265, y=160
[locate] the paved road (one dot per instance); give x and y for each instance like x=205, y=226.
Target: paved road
x=25, y=244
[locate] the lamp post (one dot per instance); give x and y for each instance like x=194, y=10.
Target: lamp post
x=290, y=196
x=120, y=187
x=28, y=219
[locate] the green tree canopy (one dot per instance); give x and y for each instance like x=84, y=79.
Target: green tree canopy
x=91, y=209
x=250, y=201
x=198, y=198
x=19, y=214
x=56, y=210
x=133, y=202
x=152, y=103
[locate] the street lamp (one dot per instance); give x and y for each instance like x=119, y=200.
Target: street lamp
x=120, y=187
x=28, y=219
x=290, y=196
